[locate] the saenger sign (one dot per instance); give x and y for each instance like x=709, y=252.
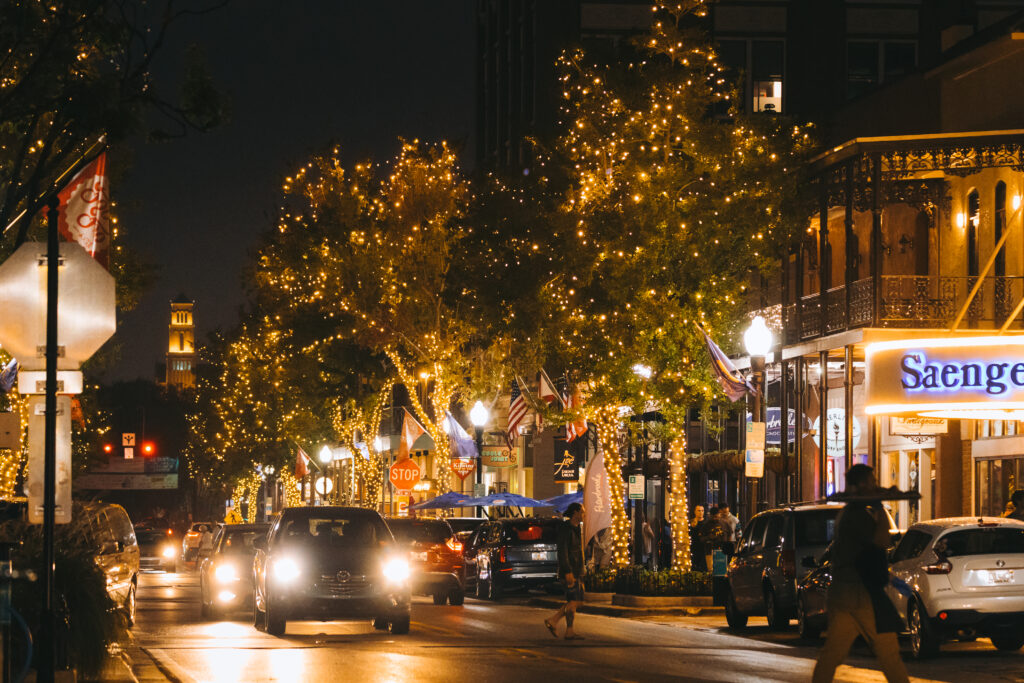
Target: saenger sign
x=947, y=377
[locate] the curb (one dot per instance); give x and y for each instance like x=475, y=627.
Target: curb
x=628, y=612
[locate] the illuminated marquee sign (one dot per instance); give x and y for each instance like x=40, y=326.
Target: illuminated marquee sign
x=970, y=377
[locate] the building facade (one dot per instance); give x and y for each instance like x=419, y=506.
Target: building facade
x=181, y=345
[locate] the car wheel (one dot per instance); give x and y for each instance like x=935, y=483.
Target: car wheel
x=130, y=606
x=1009, y=641
x=733, y=616
x=276, y=623
x=380, y=623
x=806, y=630
x=923, y=642
x=439, y=598
x=482, y=589
x=777, y=618
x=399, y=626
x=456, y=597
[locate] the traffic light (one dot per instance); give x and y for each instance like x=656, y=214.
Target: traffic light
x=108, y=448
x=148, y=448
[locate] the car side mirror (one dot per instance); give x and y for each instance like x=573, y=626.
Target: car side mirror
x=260, y=543
x=808, y=562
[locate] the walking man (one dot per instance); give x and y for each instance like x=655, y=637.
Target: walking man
x=1017, y=500
x=570, y=571
x=857, y=603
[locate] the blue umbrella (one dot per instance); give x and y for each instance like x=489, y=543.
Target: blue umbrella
x=563, y=501
x=446, y=500
x=505, y=500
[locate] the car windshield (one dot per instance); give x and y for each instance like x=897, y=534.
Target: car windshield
x=422, y=531
x=990, y=541
x=815, y=527
x=336, y=531
x=150, y=536
x=240, y=541
x=522, y=533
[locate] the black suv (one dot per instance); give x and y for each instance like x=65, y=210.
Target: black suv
x=513, y=553
x=331, y=563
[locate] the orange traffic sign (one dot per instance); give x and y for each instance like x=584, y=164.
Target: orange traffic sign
x=404, y=474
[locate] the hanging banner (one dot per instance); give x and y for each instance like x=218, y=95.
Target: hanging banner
x=914, y=426
x=463, y=467
x=568, y=458
x=499, y=456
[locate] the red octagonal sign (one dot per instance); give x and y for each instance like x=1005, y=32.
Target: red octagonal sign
x=404, y=474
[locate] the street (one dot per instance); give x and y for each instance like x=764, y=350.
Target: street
x=482, y=641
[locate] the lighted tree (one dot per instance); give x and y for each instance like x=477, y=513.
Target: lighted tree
x=371, y=249
x=675, y=200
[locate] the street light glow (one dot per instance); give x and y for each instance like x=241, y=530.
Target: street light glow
x=478, y=415
x=326, y=455
x=758, y=338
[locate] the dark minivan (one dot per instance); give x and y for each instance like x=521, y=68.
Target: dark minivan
x=435, y=556
x=330, y=563
x=513, y=553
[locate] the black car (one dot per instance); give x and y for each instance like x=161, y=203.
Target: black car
x=812, y=595
x=225, y=572
x=513, y=553
x=435, y=556
x=158, y=548
x=330, y=563
x=465, y=524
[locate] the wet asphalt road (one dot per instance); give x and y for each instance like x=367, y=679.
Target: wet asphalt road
x=483, y=641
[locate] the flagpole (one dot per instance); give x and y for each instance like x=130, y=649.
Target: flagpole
x=87, y=158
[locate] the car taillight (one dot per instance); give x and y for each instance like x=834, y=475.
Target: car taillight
x=453, y=545
x=501, y=555
x=787, y=560
x=943, y=567
x=170, y=532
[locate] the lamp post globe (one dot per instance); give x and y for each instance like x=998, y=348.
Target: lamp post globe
x=326, y=455
x=758, y=338
x=478, y=415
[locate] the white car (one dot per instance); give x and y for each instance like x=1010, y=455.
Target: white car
x=967, y=579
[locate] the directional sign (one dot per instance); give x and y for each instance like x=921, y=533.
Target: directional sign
x=127, y=439
x=404, y=474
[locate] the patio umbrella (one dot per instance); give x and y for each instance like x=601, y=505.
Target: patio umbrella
x=446, y=500
x=563, y=501
x=506, y=500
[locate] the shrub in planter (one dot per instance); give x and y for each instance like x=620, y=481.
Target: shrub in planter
x=636, y=580
x=601, y=580
x=87, y=620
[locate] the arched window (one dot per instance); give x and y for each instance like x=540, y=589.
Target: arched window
x=973, y=219
x=1000, y=228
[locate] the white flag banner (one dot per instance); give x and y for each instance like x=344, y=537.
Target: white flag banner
x=597, y=500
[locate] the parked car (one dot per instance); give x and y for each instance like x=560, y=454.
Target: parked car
x=435, y=556
x=812, y=596
x=331, y=563
x=514, y=553
x=967, y=576
x=158, y=549
x=117, y=553
x=768, y=563
x=190, y=543
x=225, y=571
x=464, y=524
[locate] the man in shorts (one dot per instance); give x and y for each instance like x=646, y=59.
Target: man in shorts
x=570, y=571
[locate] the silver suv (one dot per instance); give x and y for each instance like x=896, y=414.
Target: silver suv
x=769, y=561
x=966, y=575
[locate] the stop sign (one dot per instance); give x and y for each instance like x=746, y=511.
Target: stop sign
x=86, y=307
x=404, y=474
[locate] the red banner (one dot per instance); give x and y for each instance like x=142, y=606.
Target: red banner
x=84, y=208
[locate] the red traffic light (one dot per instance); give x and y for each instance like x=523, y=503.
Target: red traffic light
x=108, y=448
x=148, y=448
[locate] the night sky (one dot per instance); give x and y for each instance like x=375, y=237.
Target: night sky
x=300, y=75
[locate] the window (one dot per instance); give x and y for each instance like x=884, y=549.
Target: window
x=1000, y=226
x=766, y=68
x=181, y=341
x=815, y=527
x=981, y=541
x=773, y=534
x=973, y=219
x=870, y=62
x=753, y=541
x=912, y=545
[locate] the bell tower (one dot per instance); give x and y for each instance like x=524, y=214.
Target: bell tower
x=181, y=345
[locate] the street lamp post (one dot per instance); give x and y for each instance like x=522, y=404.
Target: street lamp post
x=758, y=340
x=479, y=416
x=326, y=457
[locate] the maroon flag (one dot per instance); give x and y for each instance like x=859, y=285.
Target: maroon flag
x=301, y=470
x=84, y=208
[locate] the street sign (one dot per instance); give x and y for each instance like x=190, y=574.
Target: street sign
x=86, y=306
x=755, y=436
x=636, y=487
x=463, y=467
x=127, y=439
x=36, y=459
x=754, y=463
x=129, y=453
x=404, y=474
x=499, y=456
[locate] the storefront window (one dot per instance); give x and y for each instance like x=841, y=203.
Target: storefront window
x=766, y=68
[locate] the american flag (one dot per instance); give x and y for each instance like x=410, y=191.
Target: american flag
x=517, y=410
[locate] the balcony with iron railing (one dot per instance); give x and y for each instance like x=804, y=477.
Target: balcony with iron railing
x=904, y=301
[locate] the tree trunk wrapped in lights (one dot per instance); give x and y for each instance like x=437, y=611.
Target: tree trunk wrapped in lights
x=677, y=504
x=608, y=424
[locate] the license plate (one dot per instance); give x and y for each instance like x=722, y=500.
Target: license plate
x=1000, y=576
x=539, y=556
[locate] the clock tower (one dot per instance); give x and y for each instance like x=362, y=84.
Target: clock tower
x=181, y=346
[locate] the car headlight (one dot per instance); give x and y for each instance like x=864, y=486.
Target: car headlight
x=396, y=569
x=226, y=573
x=169, y=552
x=286, y=569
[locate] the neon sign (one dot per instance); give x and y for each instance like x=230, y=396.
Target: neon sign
x=994, y=379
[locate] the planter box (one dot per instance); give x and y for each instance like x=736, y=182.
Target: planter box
x=599, y=597
x=662, y=600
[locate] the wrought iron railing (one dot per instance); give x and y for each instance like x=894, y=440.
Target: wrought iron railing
x=910, y=301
